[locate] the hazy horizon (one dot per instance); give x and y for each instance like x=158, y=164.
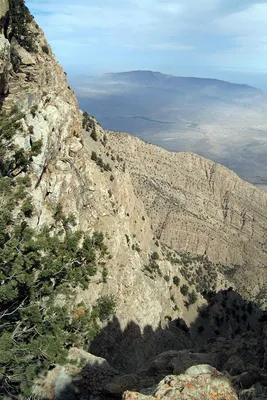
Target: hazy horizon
x=221, y=40
x=216, y=119
x=255, y=81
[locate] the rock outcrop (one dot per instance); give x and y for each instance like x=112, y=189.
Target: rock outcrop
x=5, y=65
x=198, y=382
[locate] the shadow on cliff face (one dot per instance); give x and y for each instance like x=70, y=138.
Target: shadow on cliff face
x=226, y=316
x=229, y=333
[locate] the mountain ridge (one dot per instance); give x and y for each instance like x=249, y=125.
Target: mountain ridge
x=148, y=73
x=218, y=120
x=81, y=243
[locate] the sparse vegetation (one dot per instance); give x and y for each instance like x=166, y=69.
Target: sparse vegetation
x=176, y=280
x=99, y=161
x=154, y=256
x=37, y=268
x=45, y=49
x=88, y=122
x=184, y=290
x=34, y=110
x=106, y=306
x=167, y=278
x=152, y=269
x=20, y=18
x=94, y=156
x=94, y=134
x=192, y=297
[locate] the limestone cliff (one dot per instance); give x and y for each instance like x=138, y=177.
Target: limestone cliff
x=195, y=205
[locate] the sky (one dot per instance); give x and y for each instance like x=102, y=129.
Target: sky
x=223, y=39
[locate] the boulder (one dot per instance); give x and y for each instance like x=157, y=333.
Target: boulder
x=186, y=359
x=119, y=384
x=20, y=55
x=198, y=382
x=176, y=362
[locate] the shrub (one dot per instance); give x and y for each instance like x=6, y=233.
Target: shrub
x=167, y=278
x=106, y=306
x=34, y=110
x=36, y=148
x=104, y=274
x=85, y=118
x=20, y=17
x=45, y=49
x=176, y=280
x=152, y=268
x=192, y=297
x=184, y=289
x=100, y=162
x=27, y=207
x=154, y=256
x=94, y=156
x=94, y=134
x=106, y=167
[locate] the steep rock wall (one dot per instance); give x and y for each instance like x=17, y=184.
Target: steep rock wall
x=196, y=205
x=149, y=194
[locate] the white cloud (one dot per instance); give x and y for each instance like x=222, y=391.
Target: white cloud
x=221, y=33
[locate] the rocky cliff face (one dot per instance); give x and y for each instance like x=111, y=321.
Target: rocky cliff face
x=150, y=201
x=154, y=207
x=195, y=205
x=5, y=65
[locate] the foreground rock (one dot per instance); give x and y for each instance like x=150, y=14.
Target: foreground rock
x=198, y=382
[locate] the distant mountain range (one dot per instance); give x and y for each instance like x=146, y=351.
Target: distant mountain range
x=223, y=121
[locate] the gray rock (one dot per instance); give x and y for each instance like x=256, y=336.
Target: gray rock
x=200, y=369
x=186, y=359
x=4, y=64
x=20, y=54
x=64, y=388
x=119, y=384
x=162, y=361
x=208, y=384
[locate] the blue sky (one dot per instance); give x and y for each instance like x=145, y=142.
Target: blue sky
x=225, y=39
